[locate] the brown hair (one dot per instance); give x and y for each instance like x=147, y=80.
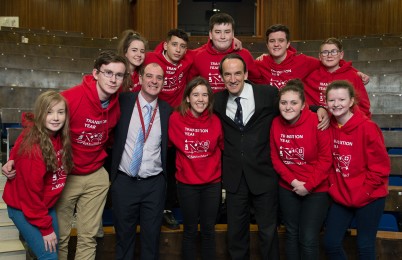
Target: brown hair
x=127, y=37
x=334, y=41
x=197, y=81
x=277, y=28
x=295, y=85
x=344, y=84
x=37, y=133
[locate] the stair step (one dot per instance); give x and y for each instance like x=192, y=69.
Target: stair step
x=3, y=180
x=8, y=231
x=12, y=250
x=3, y=213
x=1, y=194
x=19, y=255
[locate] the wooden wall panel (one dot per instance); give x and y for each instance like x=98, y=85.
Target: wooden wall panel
x=278, y=11
x=321, y=19
x=100, y=18
x=154, y=18
x=307, y=19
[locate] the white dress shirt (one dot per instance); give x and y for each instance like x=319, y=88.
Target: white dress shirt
x=246, y=101
x=151, y=164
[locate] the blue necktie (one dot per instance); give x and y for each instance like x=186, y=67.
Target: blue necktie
x=139, y=144
x=238, y=119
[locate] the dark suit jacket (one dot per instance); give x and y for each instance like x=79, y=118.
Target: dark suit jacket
x=248, y=151
x=127, y=102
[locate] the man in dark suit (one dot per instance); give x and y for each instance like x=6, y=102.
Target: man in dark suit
x=138, y=176
x=246, y=112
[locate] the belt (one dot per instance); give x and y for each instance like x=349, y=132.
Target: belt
x=138, y=178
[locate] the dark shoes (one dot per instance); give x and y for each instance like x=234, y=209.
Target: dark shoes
x=169, y=221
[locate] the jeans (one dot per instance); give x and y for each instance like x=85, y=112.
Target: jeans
x=31, y=233
x=367, y=220
x=199, y=204
x=303, y=217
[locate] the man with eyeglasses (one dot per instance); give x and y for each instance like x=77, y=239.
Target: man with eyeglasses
x=94, y=111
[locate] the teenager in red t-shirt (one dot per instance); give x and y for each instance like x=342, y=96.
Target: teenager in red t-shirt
x=332, y=68
x=132, y=46
x=43, y=158
x=301, y=155
x=197, y=135
x=359, y=183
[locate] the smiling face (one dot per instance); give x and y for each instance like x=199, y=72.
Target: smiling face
x=277, y=46
x=330, y=56
x=233, y=75
x=339, y=103
x=222, y=36
x=108, y=86
x=175, y=49
x=56, y=117
x=135, y=54
x=290, y=106
x=198, y=100
x=151, y=82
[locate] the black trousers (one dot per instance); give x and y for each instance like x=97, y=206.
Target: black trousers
x=138, y=202
x=199, y=204
x=265, y=207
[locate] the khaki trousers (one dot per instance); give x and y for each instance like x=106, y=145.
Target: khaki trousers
x=86, y=194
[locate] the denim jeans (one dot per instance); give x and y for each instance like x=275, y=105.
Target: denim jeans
x=303, y=217
x=199, y=204
x=31, y=233
x=367, y=220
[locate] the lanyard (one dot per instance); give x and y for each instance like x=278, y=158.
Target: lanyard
x=142, y=119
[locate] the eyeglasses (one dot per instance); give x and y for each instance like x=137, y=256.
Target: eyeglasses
x=333, y=52
x=109, y=74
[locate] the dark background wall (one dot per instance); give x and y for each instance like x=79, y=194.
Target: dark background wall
x=196, y=20
x=307, y=19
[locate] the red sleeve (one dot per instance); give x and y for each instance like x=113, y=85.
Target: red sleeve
x=324, y=161
x=378, y=162
x=31, y=172
x=362, y=96
x=14, y=150
x=277, y=162
x=193, y=72
x=254, y=74
x=310, y=64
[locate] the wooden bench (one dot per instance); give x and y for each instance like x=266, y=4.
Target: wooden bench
x=48, y=50
x=43, y=31
x=41, y=62
x=37, y=38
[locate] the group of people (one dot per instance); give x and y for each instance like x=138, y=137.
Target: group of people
x=256, y=128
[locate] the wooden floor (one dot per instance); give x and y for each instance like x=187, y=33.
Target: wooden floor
x=389, y=245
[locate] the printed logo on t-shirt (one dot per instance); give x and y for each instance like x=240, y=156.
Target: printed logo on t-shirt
x=322, y=89
x=277, y=83
x=216, y=81
x=342, y=164
x=90, y=139
x=172, y=81
x=292, y=155
x=59, y=175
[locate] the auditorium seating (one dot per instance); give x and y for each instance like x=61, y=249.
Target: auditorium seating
x=58, y=60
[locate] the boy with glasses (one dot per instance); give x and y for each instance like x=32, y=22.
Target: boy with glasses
x=94, y=112
x=332, y=68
